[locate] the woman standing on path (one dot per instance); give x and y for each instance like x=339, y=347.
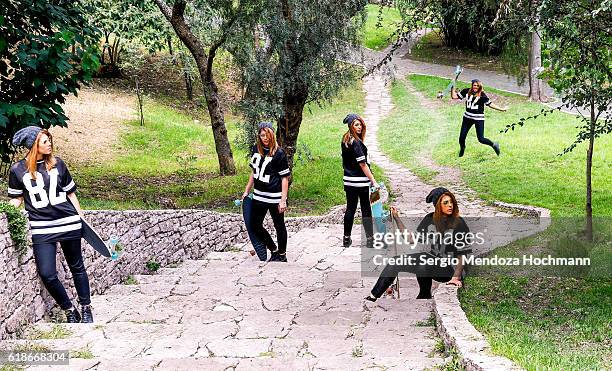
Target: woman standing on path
x=476, y=100
x=43, y=183
x=357, y=178
x=443, y=222
x=270, y=178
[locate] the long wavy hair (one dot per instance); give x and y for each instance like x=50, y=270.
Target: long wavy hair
x=271, y=142
x=351, y=134
x=480, y=89
x=33, y=154
x=441, y=220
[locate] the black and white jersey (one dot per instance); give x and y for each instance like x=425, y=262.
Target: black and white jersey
x=474, y=104
x=268, y=172
x=52, y=216
x=449, y=243
x=352, y=156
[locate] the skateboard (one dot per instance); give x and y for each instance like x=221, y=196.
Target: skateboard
x=94, y=240
x=451, y=84
x=260, y=248
x=379, y=215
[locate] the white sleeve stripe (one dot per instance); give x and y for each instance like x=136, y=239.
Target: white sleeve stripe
x=361, y=158
x=13, y=191
x=283, y=172
x=69, y=186
x=488, y=103
x=460, y=95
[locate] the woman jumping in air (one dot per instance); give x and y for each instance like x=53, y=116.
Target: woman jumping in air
x=43, y=183
x=357, y=178
x=444, y=221
x=270, y=178
x=475, y=101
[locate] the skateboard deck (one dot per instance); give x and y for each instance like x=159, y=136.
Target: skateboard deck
x=94, y=240
x=378, y=213
x=260, y=248
x=451, y=84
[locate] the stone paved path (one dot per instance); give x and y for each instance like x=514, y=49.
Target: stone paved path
x=230, y=311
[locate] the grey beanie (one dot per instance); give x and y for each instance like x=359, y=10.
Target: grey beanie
x=265, y=124
x=25, y=137
x=435, y=194
x=348, y=120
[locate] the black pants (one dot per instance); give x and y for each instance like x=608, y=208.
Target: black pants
x=424, y=273
x=361, y=195
x=258, y=213
x=466, y=125
x=44, y=256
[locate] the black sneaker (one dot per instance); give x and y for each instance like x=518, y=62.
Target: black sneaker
x=282, y=258
x=370, y=242
x=370, y=298
x=496, y=148
x=346, y=241
x=87, y=316
x=72, y=316
x=274, y=257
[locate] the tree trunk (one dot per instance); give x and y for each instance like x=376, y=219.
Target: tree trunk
x=589, y=165
x=289, y=125
x=175, y=16
x=222, y=145
x=536, y=91
x=188, y=84
x=169, y=41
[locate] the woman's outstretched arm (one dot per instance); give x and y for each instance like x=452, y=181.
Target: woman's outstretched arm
x=498, y=108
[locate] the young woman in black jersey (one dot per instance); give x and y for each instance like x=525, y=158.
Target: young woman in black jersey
x=270, y=180
x=475, y=101
x=43, y=183
x=444, y=220
x=357, y=178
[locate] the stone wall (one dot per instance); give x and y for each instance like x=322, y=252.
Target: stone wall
x=167, y=236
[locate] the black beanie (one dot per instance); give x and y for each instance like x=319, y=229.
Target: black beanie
x=435, y=194
x=348, y=120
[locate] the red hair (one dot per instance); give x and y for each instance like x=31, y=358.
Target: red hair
x=32, y=156
x=352, y=134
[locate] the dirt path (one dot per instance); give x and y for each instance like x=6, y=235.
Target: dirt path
x=95, y=125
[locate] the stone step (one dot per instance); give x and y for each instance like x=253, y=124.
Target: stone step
x=275, y=363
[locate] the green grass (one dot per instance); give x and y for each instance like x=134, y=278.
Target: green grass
x=545, y=323
x=83, y=353
x=377, y=38
x=540, y=323
x=57, y=331
x=171, y=163
x=528, y=170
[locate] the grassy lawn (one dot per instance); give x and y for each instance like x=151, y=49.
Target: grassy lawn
x=171, y=162
x=377, y=38
x=555, y=318
x=430, y=49
x=528, y=170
